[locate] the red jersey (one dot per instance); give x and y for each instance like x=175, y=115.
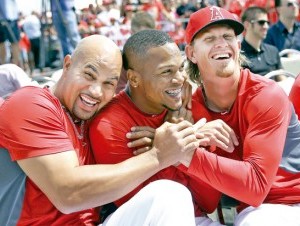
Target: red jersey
x=35, y=125
x=295, y=95
x=265, y=165
x=109, y=143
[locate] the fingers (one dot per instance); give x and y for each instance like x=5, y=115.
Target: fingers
x=220, y=135
x=179, y=115
x=199, y=124
x=142, y=128
x=141, y=150
x=203, y=141
x=138, y=132
x=145, y=141
x=231, y=134
x=187, y=95
x=141, y=136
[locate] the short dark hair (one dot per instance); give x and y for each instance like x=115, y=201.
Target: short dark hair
x=138, y=44
x=277, y=3
x=252, y=12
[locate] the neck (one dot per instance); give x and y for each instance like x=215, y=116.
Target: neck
x=253, y=41
x=140, y=102
x=288, y=23
x=219, y=98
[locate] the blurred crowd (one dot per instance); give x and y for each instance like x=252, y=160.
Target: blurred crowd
x=112, y=18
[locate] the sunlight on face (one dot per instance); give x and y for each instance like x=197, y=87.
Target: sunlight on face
x=162, y=79
x=90, y=84
x=216, y=51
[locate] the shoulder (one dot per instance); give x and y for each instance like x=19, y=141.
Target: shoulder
x=113, y=111
x=30, y=96
x=31, y=103
x=273, y=29
x=251, y=84
x=261, y=94
x=270, y=48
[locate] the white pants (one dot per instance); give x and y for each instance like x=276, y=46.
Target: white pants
x=269, y=215
x=206, y=221
x=161, y=203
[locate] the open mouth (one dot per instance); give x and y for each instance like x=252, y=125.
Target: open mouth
x=174, y=92
x=88, y=101
x=223, y=56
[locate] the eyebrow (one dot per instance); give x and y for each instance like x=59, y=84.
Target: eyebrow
x=114, y=78
x=92, y=67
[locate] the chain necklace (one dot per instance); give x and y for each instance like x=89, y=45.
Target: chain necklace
x=79, y=134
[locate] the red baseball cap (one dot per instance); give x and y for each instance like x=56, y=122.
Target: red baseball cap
x=208, y=16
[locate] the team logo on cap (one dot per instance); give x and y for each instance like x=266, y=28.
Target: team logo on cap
x=215, y=13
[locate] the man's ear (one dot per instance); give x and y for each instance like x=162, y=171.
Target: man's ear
x=133, y=78
x=246, y=25
x=239, y=43
x=67, y=62
x=189, y=52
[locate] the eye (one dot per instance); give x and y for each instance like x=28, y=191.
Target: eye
x=110, y=84
x=209, y=39
x=89, y=75
x=228, y=36
x=166, y=72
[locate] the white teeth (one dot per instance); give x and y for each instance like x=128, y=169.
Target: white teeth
x=88, y=101
x=174, y=91
x=218, y=56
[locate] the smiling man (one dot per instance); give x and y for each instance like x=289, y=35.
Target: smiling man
x=285, y=34
x=48, y=175
x=155, y=71
x=263, y=58
x=262, y=172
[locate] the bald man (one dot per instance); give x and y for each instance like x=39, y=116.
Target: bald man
x=47, y=172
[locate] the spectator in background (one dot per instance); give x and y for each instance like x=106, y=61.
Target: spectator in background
x=140, y=21
x=10, y=31
x=65, y=23
x=184, y=10
x=167, y=23
x=12, y=78
x=285, y=34
x=32, y=28
x=262, y=57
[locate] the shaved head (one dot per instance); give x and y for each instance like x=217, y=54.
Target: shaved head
x=91, y=73
x=95, y=44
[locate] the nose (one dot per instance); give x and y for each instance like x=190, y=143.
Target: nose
x=96, y=90
x=179, y=77
x=220, y=42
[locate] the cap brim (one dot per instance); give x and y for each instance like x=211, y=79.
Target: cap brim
x=236, y=26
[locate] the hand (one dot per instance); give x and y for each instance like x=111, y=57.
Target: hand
x=184, y=113
x=142, y=137
x=219, y=135
x=172, y=141
x=186, y=95
x=180, y=115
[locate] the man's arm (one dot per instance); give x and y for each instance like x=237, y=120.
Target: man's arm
x=71, y=187
x=262, y=150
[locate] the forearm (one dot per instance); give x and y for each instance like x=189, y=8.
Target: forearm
x=71, y=187
x=245, y=181
x=108, y=183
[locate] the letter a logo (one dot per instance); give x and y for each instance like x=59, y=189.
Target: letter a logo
x=215, y=13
